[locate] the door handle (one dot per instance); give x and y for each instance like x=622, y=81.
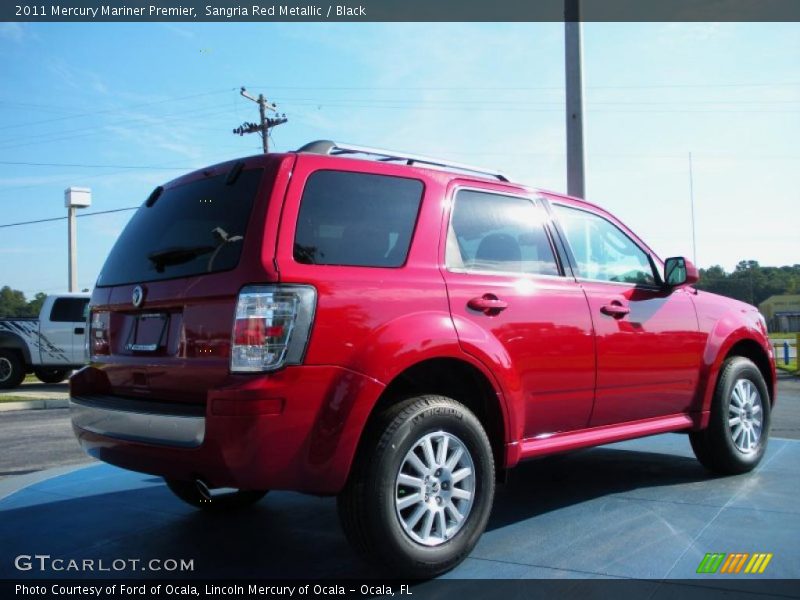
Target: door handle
x=79, y=330
x=615, y=309
x=488, y=304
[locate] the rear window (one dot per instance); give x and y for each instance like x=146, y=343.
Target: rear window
x=191, y=229
x=356, y=219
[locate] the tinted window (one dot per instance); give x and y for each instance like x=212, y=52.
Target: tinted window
x=356, y=219
x=194, y=228
x=602, y=250
x=69, y=310
x=491, y=232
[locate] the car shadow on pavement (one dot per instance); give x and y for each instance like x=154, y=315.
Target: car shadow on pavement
x=287, y=535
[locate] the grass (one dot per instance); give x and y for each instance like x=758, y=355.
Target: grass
x=13, y=398
x=792, y=366
x=782, y=336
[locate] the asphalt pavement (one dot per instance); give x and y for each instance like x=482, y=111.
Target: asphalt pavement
x=33, y=440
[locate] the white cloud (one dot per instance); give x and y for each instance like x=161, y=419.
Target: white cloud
x=12, y=31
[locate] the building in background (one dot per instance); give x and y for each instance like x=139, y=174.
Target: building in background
x=782, y=313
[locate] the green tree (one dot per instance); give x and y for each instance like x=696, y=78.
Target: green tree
x=12, y=303
x=35, y=305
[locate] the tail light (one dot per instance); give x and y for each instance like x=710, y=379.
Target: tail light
x=271, y=327
x=98, y=340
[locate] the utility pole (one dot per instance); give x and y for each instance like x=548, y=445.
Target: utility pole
x=691, y=201
x=266, y=122
x=74, y=198
x=573, y=62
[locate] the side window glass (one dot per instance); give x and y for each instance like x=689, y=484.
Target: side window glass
x=356, y=219
x=493, y=232
x=602, y=250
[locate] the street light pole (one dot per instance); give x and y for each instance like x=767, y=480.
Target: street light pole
x=573, y=62
x=74, y=198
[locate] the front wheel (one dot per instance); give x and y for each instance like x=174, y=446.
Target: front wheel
x=421, y=489
x=198, y=495
x=736, y=437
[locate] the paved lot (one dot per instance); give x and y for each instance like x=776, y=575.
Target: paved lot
x=40, y=439
x=786, y=418
x=37, y=439
x=641, y=509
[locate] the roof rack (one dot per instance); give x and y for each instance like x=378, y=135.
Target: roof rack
x=336, y=149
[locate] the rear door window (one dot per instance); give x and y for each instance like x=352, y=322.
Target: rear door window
x=190, y=229
x=356, y=219
x=69, y=310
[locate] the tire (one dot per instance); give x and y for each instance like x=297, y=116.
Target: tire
x=51, y=375
x=738, y=431
x=189, y=492
x=383, y=475
x=12, y=371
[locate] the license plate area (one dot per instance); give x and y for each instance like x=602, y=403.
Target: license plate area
x=149, y=333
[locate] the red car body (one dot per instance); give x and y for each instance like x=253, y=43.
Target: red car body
x=558, y=371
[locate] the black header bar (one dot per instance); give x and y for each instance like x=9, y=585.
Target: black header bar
x=396, y=10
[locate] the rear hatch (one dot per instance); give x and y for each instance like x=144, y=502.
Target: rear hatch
x=163, y=308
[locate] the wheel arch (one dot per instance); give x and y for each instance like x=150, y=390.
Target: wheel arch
x=739, y=342
x=751, y=349
x=456, y=378
x=12, y=341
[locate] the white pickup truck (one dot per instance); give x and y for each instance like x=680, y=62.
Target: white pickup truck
x=50, y=346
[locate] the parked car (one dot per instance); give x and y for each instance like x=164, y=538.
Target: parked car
x=50, y=347
x=399, y=331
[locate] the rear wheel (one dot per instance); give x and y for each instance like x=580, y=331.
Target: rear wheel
x=198, y=495
x=51, y=375
x=421, y=489
x=12, y=371
x=738, y=430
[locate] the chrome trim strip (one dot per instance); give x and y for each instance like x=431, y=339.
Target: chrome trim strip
x=184, y=431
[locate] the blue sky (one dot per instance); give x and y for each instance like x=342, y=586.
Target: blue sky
x=163, y=98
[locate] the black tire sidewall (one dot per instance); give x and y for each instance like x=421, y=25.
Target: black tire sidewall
x=17, y=370
x=739, y=368
x=457, y=420
x=51, y=376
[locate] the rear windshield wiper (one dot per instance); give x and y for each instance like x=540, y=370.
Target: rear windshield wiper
x=177, y=256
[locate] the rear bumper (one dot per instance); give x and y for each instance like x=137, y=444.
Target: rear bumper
x=296, y=429
x=138, y=421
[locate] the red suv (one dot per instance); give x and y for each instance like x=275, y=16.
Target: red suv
x=399, y=331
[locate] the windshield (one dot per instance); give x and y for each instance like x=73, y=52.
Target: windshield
x=190, y=229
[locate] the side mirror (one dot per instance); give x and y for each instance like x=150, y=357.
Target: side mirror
x=678, y=271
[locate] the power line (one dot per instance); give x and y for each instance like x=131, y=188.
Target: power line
x=91, y=214
x=542, y=87
x=99, y=129
x=37, y=164
x=114, y=110
x=348, y=105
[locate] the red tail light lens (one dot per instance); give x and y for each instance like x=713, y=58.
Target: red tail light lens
x=272, y=327
x=98, y=333
x=253, y=331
